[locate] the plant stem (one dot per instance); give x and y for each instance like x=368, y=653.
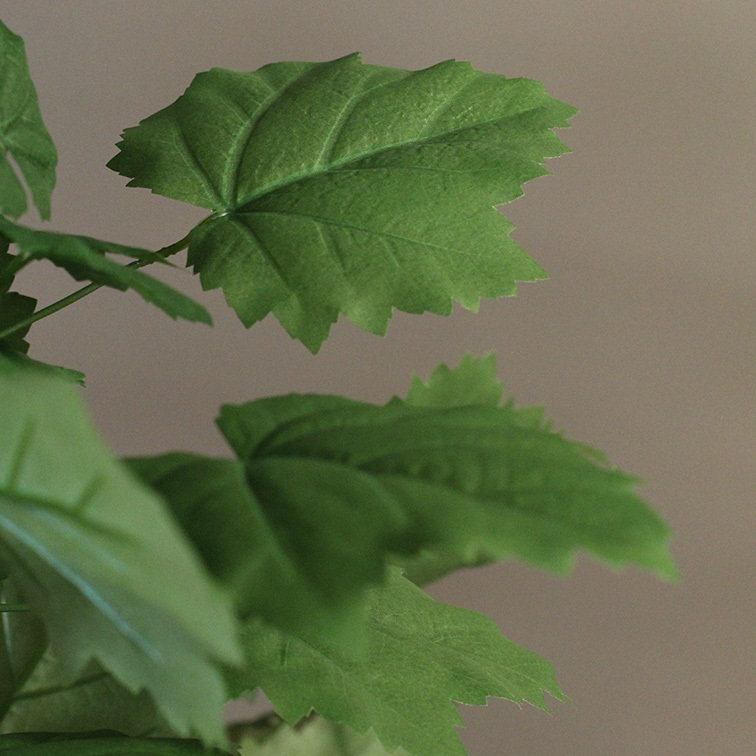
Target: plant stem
x=75, y=296
x=14, y=608
x=41, y=692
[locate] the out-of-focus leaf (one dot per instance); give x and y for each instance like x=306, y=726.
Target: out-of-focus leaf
x=316, y=736
x=23, y=135
x=98, y=558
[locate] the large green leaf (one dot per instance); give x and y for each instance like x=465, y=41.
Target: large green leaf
x=420, y=657
x=22, y=133
x=342, y=187
x=85, y=259
x=97, y=557
x=326, y=490
x=477, y=482
x=100, y=744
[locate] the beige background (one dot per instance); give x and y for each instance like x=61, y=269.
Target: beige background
x=642, y=342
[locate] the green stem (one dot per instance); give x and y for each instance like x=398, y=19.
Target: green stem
x=41, y=692
x=51, y=309
x=14, y=608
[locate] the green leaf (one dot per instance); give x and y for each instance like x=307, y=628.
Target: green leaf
x=97, y=557
x=100, y=744
x=49, y=702
x=476, y=482
x=23, y=361
x=22, y=133
x=473, y=381
x=296, y=541
x=421, y=656
x=342, y=187
x=22, y=643
x=327, y=490
x=316, y=736
x=14, y=308
x=84, y=258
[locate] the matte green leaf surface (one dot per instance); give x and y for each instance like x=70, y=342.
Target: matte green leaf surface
x=23, y=135
x=95, y=554
x=342, y=187
x=477, y=482
x=326, y=490
x=84, y=258
x=421, y=656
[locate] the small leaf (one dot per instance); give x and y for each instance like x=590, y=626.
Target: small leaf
x=98, y=558
x=22, y=643
x=473, y=381
x=316, y=736
x=49, y=702
x=421, y=656
x=67, y=374
x=14, y=308
x=342, y=187
x=22, y=133
x=100, y=744
x=84, y=258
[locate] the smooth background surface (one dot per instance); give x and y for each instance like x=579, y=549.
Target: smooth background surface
x=642, y=342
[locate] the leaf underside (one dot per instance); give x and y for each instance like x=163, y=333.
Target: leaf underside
x=342, y=187
x=95, y=555
x=23, y=135
x=420, y=657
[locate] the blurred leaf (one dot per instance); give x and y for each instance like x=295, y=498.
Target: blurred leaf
x=23, y=361
x=96, y=556
x=316, y=736
x=50, y=702
x=474, y=482
x=22, y=133
x=14, y=308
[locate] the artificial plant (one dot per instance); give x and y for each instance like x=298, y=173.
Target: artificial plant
x=139, y=595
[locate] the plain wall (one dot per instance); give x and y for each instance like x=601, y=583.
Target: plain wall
x=641, y=343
